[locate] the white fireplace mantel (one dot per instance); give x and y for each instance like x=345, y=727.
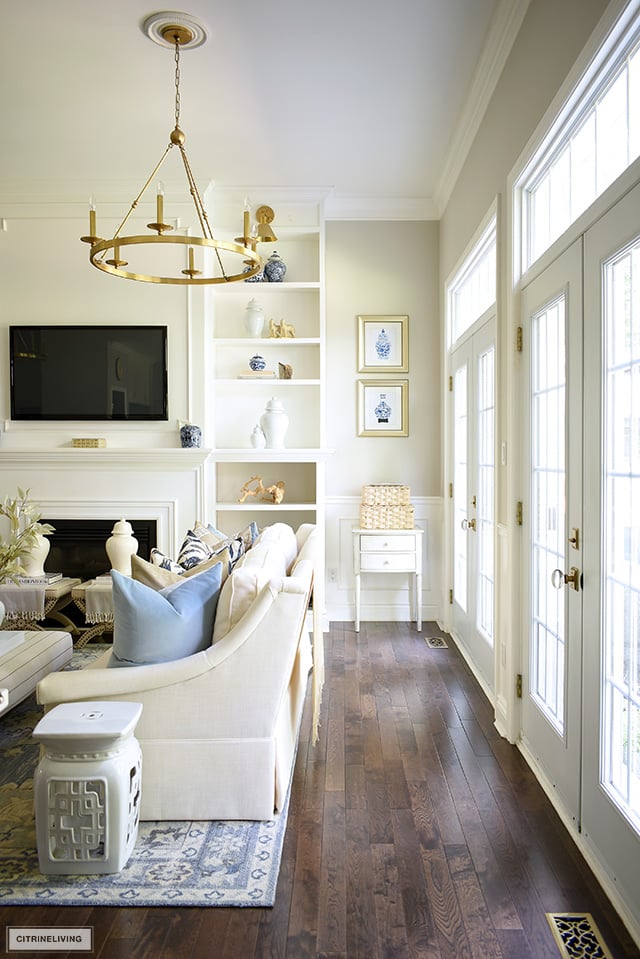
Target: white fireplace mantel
x=166, y=484
x=110, y=459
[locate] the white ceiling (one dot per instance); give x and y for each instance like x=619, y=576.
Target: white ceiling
x=374, y=101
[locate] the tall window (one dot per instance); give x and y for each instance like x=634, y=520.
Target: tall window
x=473, y=289
x=591, y=144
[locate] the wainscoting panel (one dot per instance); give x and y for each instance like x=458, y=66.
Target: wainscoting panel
x=383, y=598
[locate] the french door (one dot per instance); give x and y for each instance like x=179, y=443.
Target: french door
x=581, y=545
x=473, y=377
x=611, y=804
x=552, y=524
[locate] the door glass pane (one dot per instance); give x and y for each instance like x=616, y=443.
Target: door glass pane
x=548, y=490
x=460, y=481
x=485, y=496
x=620, y=719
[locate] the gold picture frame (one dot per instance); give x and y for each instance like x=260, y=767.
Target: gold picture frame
x=383, y=407
x=383, y=344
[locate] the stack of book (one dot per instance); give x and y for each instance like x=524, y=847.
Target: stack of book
x=45, y=579
x=257, y=375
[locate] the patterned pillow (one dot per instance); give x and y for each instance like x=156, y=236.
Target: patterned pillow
x=193, y=551
x=202, y=543
x=158, y=558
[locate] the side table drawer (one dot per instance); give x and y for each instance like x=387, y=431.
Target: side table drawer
x=389, y=562
x=379, y=542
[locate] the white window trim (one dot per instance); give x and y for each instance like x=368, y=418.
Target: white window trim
x=602, y=52
x=461, y=268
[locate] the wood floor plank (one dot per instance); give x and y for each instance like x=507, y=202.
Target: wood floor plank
x=443, y=902
x=475, y=913
x=360, y=904
x=389, y=921
x=420, y=928
x=332, y=934
x=303, y=918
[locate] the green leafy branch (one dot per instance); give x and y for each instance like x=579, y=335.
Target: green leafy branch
x=25, y=528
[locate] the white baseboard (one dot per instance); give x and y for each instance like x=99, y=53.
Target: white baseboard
x=588, y=852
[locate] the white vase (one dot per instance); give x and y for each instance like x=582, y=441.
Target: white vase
x=253, y=318
x=121, y=546
x=1, y=612
x=274, y=422
x=33, y=561
x=258, y=440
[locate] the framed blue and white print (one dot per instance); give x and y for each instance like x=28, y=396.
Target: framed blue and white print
x=383, y=407
x=383, y=344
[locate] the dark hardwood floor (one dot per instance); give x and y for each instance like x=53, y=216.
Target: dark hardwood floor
x=414, y=831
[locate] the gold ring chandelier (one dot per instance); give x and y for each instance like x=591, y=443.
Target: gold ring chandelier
x=228, y=261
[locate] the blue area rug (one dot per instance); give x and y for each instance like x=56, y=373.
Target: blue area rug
x=173, y=863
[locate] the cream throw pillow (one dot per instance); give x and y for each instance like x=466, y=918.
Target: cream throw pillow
x=261, y=564
x=283, y=536
x=157, y=577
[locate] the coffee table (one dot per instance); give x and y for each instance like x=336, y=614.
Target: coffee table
x=19, y=615
x=26, y=657
x=94, y=599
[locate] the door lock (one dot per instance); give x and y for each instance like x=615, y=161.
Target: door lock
x=572, y=578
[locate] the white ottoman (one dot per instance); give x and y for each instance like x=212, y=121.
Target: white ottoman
x=87, y=787
x=27, y=656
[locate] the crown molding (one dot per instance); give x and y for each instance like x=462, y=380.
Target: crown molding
x=379, y=208
x=504, y=29
x=68, y=199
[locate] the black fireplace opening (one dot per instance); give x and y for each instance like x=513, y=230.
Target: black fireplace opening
x=77, y=546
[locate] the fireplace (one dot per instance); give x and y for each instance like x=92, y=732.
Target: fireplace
x=77, y=545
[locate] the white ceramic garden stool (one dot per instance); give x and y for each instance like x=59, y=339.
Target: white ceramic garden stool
x=87, y=787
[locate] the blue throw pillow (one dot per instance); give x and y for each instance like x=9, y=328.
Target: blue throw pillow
x=157, y=626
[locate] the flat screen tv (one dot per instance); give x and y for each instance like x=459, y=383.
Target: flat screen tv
x=88, y=372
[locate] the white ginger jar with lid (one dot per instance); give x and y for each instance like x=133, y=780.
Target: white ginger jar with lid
x=274, y=422
x=253, y=318
x=121, y=546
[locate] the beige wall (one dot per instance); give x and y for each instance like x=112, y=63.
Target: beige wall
x=379, y=268
x=551, y=37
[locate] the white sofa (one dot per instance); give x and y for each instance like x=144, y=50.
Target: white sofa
x=219, y=728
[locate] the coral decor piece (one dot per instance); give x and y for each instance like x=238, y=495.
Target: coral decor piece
x=275, y=493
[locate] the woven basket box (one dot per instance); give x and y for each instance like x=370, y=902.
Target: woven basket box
x=386, y=517
x=379, y=494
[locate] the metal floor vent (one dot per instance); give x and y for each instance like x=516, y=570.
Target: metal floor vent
x=577, y=935
x=436, y=642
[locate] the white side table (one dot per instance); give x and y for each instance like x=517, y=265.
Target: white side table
x=87, y=787
x=389, y=551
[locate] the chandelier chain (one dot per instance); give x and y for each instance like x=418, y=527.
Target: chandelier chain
x=177, y=81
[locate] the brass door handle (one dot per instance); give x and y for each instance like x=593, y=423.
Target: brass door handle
x=469, y=524
x=572, y=578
